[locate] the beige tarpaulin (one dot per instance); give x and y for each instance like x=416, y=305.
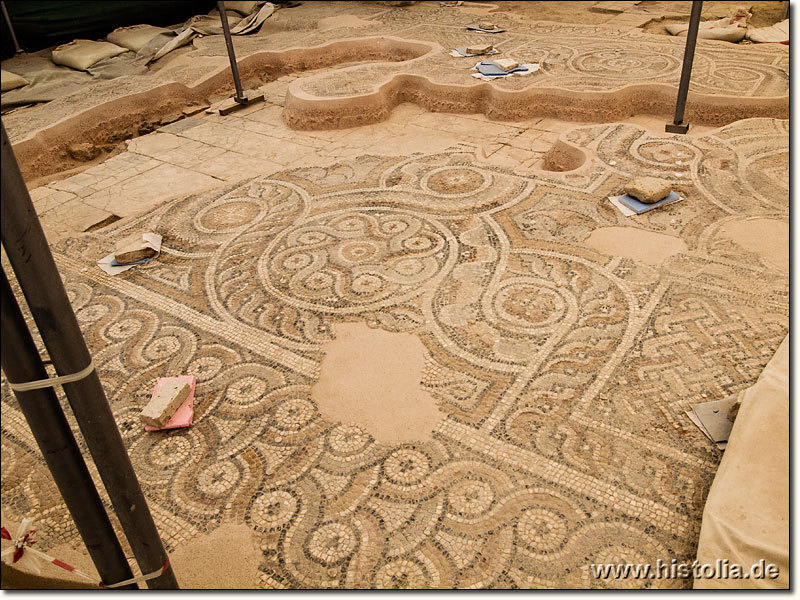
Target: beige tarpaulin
x=48, y=81
x=746, y=517
x=211, y=25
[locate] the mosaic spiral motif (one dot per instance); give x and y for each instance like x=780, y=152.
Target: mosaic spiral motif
x=564, y=373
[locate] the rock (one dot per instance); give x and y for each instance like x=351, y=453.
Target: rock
x=647, y=189
x=83, y=152
x=131, y=249
x=164, y=403
x=483, y=49
x=507, y=64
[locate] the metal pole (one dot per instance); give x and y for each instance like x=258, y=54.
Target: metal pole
x=21, y=363
x=29, y=254
x=229, y=43
x=678, y=126
x=10, y=27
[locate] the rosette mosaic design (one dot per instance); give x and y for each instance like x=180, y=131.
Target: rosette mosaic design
x=564, y=373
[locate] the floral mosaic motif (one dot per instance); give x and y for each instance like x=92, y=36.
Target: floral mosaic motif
x=564, y=373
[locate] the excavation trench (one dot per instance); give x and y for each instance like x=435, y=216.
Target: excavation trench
x=47, y=150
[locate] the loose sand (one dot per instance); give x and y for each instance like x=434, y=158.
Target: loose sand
x=371, y=377
x=639, y=244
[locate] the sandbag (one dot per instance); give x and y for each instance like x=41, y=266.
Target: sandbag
x=11, y=81
x=134, y=37
x=776, y=34
x=648, y=189
x=746, y=515
x=47, y=80
x=243, y=8
x=729, y=29
x=727, y=33
x=82, y=54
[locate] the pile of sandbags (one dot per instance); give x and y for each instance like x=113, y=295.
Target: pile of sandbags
x=729, y=29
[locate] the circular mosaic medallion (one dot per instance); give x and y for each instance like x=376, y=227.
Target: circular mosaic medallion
x=214, y=481
x=273, y=510
x=471, y=498
x=631, y=63
x=332, y=543
x=542, y=530
x=455, y=181
x=230, y=214
x=402, y=573
x=355, y=260
x=406, y=466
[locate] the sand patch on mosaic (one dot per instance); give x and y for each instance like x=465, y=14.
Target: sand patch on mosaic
x=630, y=242
x=371, y=378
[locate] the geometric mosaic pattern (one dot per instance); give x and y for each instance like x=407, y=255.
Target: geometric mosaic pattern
x=564, y=373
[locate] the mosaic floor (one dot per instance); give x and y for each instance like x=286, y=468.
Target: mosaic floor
x=563, y=372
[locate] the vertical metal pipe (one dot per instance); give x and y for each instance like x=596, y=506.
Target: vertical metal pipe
x=10, y=28
x=226, y=30
x=21, y=363
x=678, y=126
x=35, y=268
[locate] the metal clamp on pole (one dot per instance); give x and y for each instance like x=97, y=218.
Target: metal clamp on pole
x=678, y=126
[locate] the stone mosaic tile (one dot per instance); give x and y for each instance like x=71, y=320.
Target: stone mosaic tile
x=563, y=372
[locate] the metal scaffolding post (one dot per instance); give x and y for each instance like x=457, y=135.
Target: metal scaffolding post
x=678, y=126
x=35, y=269
x=226, y=30
x=22, y=363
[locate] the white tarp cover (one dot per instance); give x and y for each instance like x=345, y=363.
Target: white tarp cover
x=746, y=517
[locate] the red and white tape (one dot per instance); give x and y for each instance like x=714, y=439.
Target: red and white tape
x=22, y=552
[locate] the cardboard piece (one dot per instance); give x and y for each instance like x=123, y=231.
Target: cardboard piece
x=714, y=416
x=185, y=414
x=693, y=417
x=110, y=265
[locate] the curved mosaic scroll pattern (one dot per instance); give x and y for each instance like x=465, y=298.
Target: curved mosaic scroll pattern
x=564, y=373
